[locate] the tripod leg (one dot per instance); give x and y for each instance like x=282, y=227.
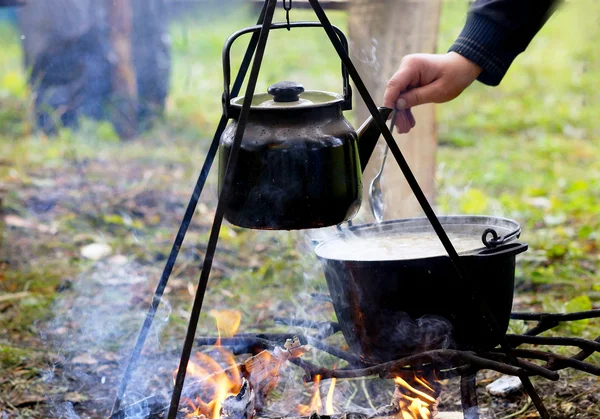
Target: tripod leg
x=468, y=396
x=183, y=228
x=214, y=234
x=466, y=282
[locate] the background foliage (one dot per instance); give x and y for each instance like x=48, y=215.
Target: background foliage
x=526, y=150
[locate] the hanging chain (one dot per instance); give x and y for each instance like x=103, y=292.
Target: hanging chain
x=287, y=6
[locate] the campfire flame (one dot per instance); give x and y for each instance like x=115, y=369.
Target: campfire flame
x=228, y=322
x=415, y=406
x=329, y=402
x=216, y=381
x=215, y=378
x=315, y=403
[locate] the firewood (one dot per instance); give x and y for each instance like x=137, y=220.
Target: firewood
x=240, y=406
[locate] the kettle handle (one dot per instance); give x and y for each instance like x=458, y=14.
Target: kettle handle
x=226, y=56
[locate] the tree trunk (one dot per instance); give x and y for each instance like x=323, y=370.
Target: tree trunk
x=381, y=33
x=2, y=195
x=151, y=57
x=120, y=18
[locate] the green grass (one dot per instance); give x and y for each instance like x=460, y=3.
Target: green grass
x=527, y=149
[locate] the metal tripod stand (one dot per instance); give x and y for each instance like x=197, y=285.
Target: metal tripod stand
x=256, y=48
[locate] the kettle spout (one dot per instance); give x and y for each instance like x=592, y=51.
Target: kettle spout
x=368, y=135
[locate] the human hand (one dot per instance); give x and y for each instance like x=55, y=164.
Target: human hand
x=427, y=78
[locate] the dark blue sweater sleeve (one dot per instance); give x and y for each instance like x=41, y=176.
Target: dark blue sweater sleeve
x=497, y=31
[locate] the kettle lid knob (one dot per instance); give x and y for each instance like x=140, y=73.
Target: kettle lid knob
x=286, y=91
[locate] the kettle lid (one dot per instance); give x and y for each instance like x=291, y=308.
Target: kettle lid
x=286, y=95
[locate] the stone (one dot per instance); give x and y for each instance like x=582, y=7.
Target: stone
x=504, y=386
x=96, y=251
x=449, y=415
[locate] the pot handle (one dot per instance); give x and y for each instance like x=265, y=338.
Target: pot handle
x=507, y=249
x=496, y=240
x=226, y=57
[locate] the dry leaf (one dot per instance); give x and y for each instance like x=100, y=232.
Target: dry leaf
x=226, y=293
x=85, y=359
x=14, y=296
x=16, y=221
x=111, y=356
x=75, y=397
x=28, y=400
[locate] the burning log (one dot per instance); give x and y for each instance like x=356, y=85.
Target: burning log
x=263, y=369
x=415, y=375
x=244, y=386
x=240, y=406
x=253, y=343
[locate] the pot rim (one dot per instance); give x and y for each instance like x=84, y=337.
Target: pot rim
x=512, y=227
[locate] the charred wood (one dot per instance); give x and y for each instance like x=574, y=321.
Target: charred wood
x=153, y=406
x=254, y=343
x=240, y=406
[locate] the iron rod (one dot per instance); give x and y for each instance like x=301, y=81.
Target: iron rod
x=560, y=317
x=468, y=395
x=420, y=360
x=218, y=219
x=583, y=344
x=183, y=228
x=581, y=355
x=461, y=272
x=554, y=362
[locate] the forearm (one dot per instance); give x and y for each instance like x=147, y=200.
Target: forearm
x=497, y=31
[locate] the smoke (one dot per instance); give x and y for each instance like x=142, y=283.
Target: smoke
x=65, y=410
x=367, y=54
x=417, y=335
x=92, y=336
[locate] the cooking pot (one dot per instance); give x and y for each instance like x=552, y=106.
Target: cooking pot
x=399, y=306
x=300, y=163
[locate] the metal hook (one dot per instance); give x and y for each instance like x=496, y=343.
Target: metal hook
x=495, y=241
x=287, y=6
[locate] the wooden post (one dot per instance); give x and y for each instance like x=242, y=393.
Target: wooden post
x=381, y=33
x=120, y=18
x=2, y=195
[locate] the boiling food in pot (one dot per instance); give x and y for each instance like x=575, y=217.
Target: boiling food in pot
x=394, y=246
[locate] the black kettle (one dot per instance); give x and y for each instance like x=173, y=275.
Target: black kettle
x=300, y=164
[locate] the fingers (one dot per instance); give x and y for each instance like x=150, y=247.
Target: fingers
x=427, y=78
x=430, y=93
x=405, y=121
x=411, y=118
x=397, y=84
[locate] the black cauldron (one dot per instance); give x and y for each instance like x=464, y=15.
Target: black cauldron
x=392, y=308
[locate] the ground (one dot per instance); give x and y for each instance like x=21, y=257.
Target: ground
x=526, y=150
